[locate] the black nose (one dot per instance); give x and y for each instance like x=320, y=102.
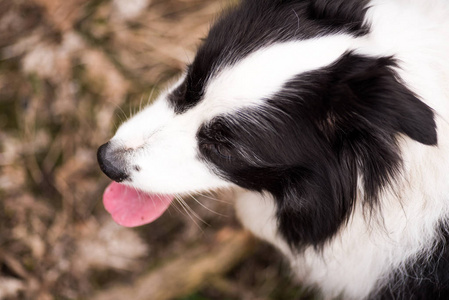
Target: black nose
x=112, y=162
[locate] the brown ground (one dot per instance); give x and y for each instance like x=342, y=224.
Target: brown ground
x=70, y=72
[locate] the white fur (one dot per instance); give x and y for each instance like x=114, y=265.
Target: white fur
x=415, y=32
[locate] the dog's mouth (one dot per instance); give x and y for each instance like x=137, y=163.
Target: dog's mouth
x=130, y=207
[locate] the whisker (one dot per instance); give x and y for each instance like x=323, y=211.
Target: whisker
x=187, y=213
x=140, y=103
x=150, y=98
x=171, y=202
x=207, y=208
x=191, y=213
x=121, y=110
x=212, y=198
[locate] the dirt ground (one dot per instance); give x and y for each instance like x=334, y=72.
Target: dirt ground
x=70, y=72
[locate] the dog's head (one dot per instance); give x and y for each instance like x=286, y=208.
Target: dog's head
x=279, y=99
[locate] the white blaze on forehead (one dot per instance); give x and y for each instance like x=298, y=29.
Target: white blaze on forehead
x=264, y=72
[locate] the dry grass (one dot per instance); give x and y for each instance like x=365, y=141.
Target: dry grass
x=70, y=72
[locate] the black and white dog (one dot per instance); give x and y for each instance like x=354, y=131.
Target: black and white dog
x=329, y=118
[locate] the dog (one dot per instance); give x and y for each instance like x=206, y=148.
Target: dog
x=329, y=120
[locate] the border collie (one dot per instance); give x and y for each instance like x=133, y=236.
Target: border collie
x=329, y=118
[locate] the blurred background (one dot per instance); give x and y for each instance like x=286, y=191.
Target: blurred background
x=70, y=72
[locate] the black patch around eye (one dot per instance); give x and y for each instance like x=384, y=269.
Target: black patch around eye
x=218, y=150
x=215, y=145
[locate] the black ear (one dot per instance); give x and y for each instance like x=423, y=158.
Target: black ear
x=346, y=13
x=366, y=108
x=315, y=202
x=366, y=94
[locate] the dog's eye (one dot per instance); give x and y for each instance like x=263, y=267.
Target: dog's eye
x=219, y=149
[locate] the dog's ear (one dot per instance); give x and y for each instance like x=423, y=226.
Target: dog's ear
x=315, y=202
x=365, y=94
x=349, y=13
x=367, y=107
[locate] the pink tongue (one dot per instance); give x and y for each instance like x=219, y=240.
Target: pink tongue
x=130, y=207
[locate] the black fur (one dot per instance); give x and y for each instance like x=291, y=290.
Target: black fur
x=257, y=23
x=307, y=146
x=347, y=14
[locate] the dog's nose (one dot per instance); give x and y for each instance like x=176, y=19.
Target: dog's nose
x=112, y=162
